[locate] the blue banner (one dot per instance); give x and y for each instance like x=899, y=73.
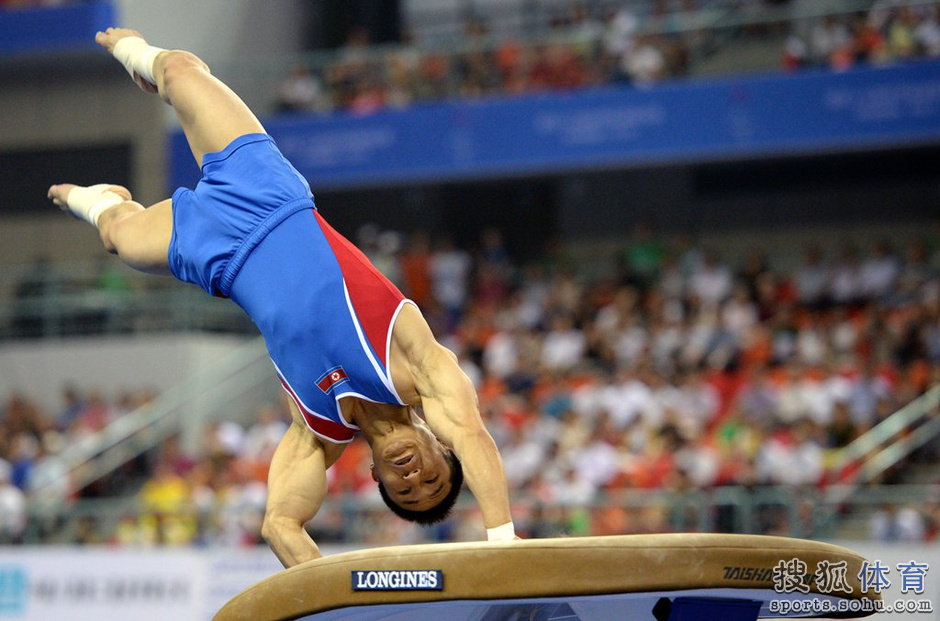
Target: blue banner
x=53, y=29
x=616, y=126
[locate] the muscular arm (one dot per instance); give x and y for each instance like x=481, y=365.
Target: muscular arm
x=296, y=488
x=452, y=411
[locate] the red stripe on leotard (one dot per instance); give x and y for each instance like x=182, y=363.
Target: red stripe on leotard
x=373, y=297
x=321, y=426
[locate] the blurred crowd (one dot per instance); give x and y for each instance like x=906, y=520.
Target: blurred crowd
x=591, y=44
x=586, y=45
x=674, y=370
x=887, y=33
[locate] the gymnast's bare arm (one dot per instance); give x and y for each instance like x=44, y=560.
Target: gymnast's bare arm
x=450, y=406
x=296, y=489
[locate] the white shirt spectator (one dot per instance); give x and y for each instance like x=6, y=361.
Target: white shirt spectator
x=845, y=286
x=834, y=389
x=910, y=525
x=807, y=467
x=573, y=490
x=645, y=64
x=262, y=438
x=700, y=463
x=664, y=398
x=927, y=33
x=12, y=507
x=522, y=459
x=625, y=401
x=501, y=354
x=711, y=283
x=739, y=314
x=299, y=91
x=798, y=398
x=450, y=270
x=587, y=400
x=563, y=347
x=472, y=371
x=844, y=336
x=811, y=345
x=665, y=343
x=784, y=464
x=621, y=30
x=864, y=394
x=597, y=463
x=698, y=400
x=630, y=343
x=878, y=274
x=772, y=461
x=811, y=279
x=828, y=36
x=882, y=525
x=888, y=524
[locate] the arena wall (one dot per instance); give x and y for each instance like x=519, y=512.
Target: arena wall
x=144, y=362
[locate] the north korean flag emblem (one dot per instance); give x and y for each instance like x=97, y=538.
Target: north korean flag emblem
x=331, y=378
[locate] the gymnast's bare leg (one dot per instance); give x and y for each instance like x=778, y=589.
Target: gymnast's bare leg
x=211, y=116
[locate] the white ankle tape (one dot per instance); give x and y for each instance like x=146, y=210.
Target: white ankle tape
x=89, y=203
x=137, y=56
x=506, y=532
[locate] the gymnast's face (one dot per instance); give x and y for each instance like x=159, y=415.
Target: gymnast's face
x=413, y=470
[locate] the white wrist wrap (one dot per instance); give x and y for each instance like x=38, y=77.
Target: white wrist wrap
x=506, y=532
x=89, y=203
x=137, y=56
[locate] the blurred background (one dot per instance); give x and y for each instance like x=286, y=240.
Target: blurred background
x=687, y=250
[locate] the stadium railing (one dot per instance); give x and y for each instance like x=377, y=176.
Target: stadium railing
x=57, y=300
x=349, y=518
x=888, y=442
x=187, y=409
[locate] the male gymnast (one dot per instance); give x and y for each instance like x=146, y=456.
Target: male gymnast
x=353, y=354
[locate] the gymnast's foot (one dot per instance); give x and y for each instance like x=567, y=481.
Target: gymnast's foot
x=129, y=47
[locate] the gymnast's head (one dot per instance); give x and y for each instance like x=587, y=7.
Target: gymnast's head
x=419, y=478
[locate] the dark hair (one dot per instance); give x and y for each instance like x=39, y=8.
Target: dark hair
x=439, y=512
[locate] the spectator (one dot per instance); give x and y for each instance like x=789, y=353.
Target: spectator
x=757, y=402
x=828, y=36
x=262, y=438
x=299, y=91
x=643, y=255
x=711, y=283
x=890, y=524
x=13, y=509
x=416, y=269
x=794, y=54
x=867, y=389
x=72, y=406
x=564, y=344
x=450, y=275
x=645, y=64
x=844, y=283
x=927, y=33
x=878, y=272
